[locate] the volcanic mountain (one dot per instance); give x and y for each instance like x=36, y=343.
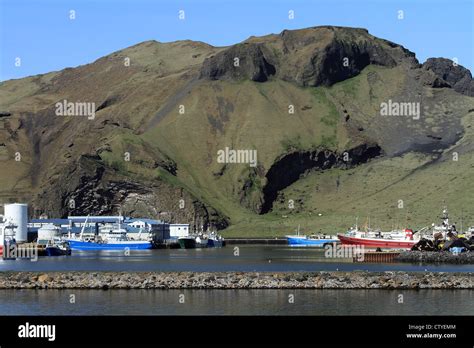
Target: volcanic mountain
x=308, y=101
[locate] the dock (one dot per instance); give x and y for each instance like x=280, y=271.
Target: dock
x=265, y=241
x=378, y=257
x=166, y=244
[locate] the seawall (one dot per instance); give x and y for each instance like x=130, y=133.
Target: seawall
x=236, y=280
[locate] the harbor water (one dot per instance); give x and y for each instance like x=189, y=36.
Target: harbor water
x=236, y=302
x=247, y=258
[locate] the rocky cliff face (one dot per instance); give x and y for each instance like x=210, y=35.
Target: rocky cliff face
x=92, y=187
x=309, y=57
x=243, y=61
x=454, y=75
x=288, y=169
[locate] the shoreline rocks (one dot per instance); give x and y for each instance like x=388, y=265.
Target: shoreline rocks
x=435, y=257
x=236, y=280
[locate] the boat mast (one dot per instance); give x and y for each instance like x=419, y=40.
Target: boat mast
x=83, y=228
x=120, y=219
x=406, y=219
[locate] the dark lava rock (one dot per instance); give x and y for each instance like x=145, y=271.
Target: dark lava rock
x=455, y=76
x=308, y=57
x=253, y=64
x=326, y=67
x=288, y=169
x=108, y=102
x=435, y=257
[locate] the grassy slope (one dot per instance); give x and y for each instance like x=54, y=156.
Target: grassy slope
x=139, y=88
x=263, y=123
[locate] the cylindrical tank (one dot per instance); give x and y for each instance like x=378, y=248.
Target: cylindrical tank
x=48, y=232
x=17, y=214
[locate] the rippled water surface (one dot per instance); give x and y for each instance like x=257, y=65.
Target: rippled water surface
x=237, y=302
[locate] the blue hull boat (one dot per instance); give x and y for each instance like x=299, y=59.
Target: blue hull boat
x=135, y=245
x=310, y=241
x=213, y=243
x=57, y=251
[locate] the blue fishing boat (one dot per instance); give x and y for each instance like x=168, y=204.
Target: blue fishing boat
x=58, y=249
x=314, y=240
x=50, y=242
x=109, y=245
x=318, y=240
x=112, y=239
x=215, y=241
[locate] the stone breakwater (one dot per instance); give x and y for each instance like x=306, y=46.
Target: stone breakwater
x=435, y=257
x=236, y=280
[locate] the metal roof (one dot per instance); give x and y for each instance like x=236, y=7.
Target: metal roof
x=95, y=218
x=148, y=221
x=50, y=221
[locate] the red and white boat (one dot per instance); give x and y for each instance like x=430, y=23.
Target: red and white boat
x=402, y=239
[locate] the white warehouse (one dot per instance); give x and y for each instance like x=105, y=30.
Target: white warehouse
x=179, y=230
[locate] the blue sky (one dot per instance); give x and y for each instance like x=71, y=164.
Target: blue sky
x=42, y=35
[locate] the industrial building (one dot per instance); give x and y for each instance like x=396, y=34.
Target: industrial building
x=16, y=218
x=159, y=230
x=179, y=230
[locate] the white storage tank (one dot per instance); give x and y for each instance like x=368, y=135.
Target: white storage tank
x=17, y=214
x=49, y=232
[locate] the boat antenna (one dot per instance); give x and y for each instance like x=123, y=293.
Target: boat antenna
x=406, y=219
x=120, y=218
